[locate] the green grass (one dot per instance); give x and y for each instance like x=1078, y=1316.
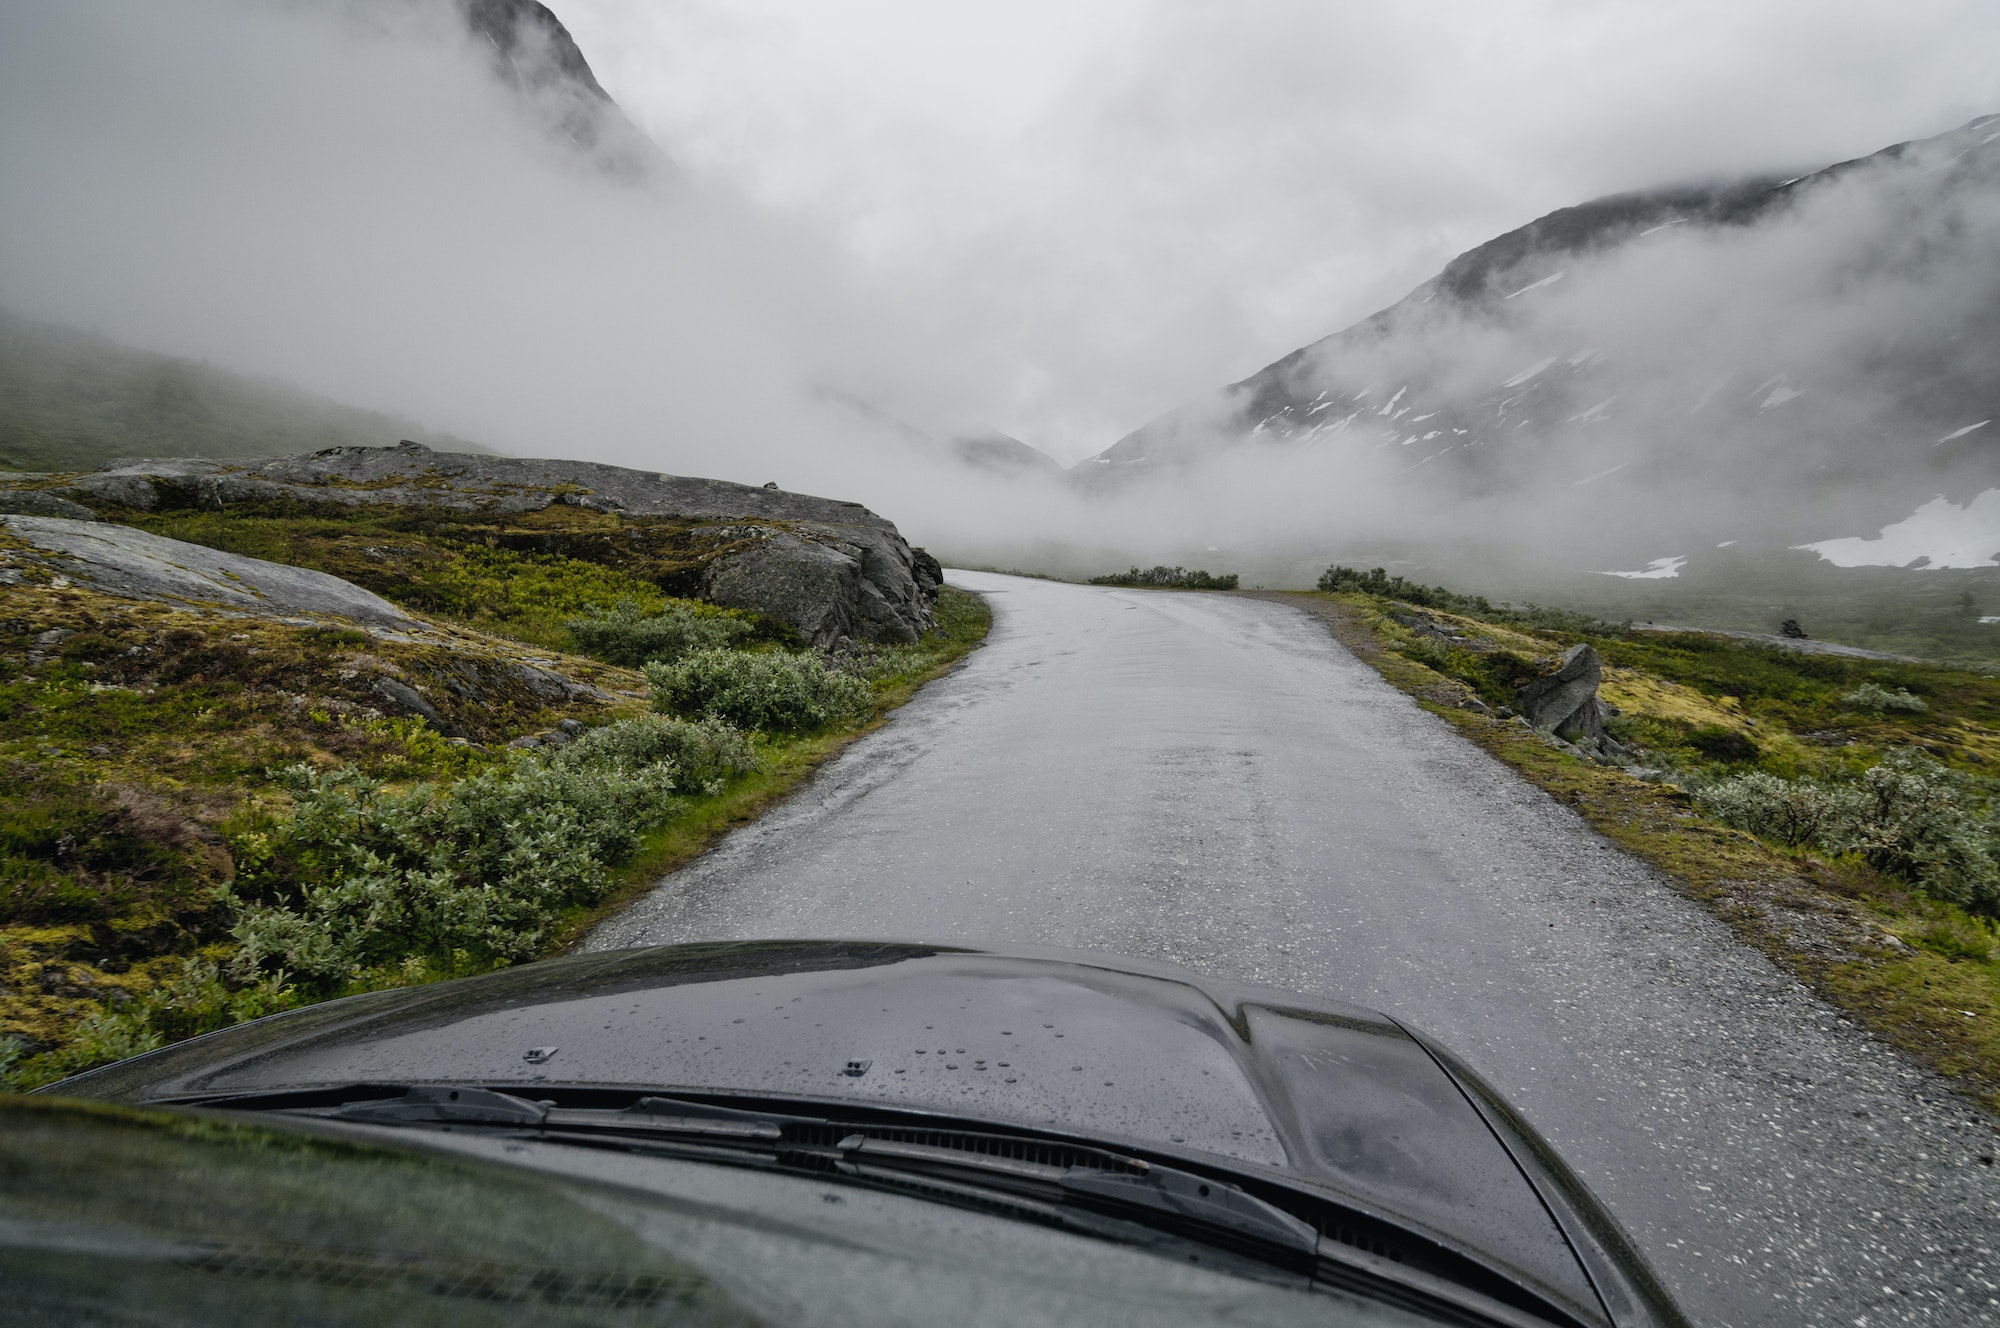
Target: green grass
x=448, y=569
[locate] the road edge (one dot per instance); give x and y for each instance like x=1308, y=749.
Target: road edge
x=1790, y=910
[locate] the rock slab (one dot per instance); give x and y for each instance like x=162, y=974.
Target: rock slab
x=119, y=560
x=833, y=570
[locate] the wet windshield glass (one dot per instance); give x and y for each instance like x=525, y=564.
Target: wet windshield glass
x=108, y=1215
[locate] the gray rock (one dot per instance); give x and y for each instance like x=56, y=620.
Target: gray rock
x=119, y=560
x=829, y=589
x=831, y=569
x=1565, y=702
x=551, y=686
x=39, y=502
x=405, y=699
x=929, y=572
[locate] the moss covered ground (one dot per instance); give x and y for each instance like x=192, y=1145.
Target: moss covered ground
x=138, y=741
x=1922, y=974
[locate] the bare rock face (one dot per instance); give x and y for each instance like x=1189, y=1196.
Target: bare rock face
x=119, y=560
x=832, y=570
x=1566, y=701
x=33, y=502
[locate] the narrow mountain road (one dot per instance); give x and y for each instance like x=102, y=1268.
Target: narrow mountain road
x=1213, y=780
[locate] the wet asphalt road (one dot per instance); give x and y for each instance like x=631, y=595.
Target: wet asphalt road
x=1215, y=781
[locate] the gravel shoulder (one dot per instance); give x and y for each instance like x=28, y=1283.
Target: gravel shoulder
x=1214, y=780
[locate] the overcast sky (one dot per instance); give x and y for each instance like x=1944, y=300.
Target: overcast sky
x=1089, y=212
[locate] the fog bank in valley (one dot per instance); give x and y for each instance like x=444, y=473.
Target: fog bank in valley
x=345, y=196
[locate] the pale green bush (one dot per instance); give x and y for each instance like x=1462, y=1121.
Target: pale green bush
x=1795, y=812
x=1907, y=815
x=704, y=753
x=627, y=635
x=473, y=874
x=776, y=691
x=1920, y=821
x=1875, y=697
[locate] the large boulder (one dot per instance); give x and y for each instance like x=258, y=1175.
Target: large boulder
x=119, y=560
x=1565, y=702
x=832, y=570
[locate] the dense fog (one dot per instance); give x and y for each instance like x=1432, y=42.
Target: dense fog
x=347, y=197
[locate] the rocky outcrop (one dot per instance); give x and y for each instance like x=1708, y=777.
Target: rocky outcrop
x=533, y=54
x=833, y=570
x=119, y=560
x=33, y=502
x=1565, y=702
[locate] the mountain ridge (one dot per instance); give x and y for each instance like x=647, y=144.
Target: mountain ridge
x=1283, y=401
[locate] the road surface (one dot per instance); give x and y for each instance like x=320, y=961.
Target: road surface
x=1213, y=780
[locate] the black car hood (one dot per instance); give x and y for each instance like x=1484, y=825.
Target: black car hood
x=1113, y=1049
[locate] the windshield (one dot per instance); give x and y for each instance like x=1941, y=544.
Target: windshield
x=109, y=1214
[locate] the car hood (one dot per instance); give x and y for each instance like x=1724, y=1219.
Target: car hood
x=1116, y=1050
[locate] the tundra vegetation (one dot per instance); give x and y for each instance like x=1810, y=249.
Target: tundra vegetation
x=215, y=817
x=1168, y=578
x=1842, y=812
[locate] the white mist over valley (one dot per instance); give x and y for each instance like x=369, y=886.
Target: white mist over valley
x=1709, y=350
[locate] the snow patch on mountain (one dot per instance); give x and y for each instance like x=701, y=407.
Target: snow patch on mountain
x=1936, y=536
x=1657, y=570
x=1529, y=372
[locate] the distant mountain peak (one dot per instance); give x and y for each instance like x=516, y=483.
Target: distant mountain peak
x=1005, y=453
x=1784, y=350
x=535, y=55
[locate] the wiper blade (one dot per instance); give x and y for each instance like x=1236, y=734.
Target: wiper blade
x=1121, y=1185
x=655, y=1116
x=445, y=1106
x=1185, y=1195
x=1126, y=1186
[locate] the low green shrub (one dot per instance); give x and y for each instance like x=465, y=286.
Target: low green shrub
x=1797, y=813
x=1919, y=820
x=1173, y=578
x=1907, y=815
x=1377, y=581
x=198, y=999
x=1875, y=697
x=630, y=636
x=775, y=691
x=704, y=753
x=363, y=876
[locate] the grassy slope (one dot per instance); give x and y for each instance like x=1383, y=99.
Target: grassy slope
x=1923, y=975
x=70, y=401
x=136, y=748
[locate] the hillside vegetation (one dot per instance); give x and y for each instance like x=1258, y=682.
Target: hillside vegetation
x=70, y=400
x=212, y=817
x=1841, y=812
x=1163, y=577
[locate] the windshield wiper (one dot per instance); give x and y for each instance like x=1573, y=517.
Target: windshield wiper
x=664, y=1117
x=1096, y=1190
x=1104, y=1180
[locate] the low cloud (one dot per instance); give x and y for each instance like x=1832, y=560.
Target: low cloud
x=343, y=195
